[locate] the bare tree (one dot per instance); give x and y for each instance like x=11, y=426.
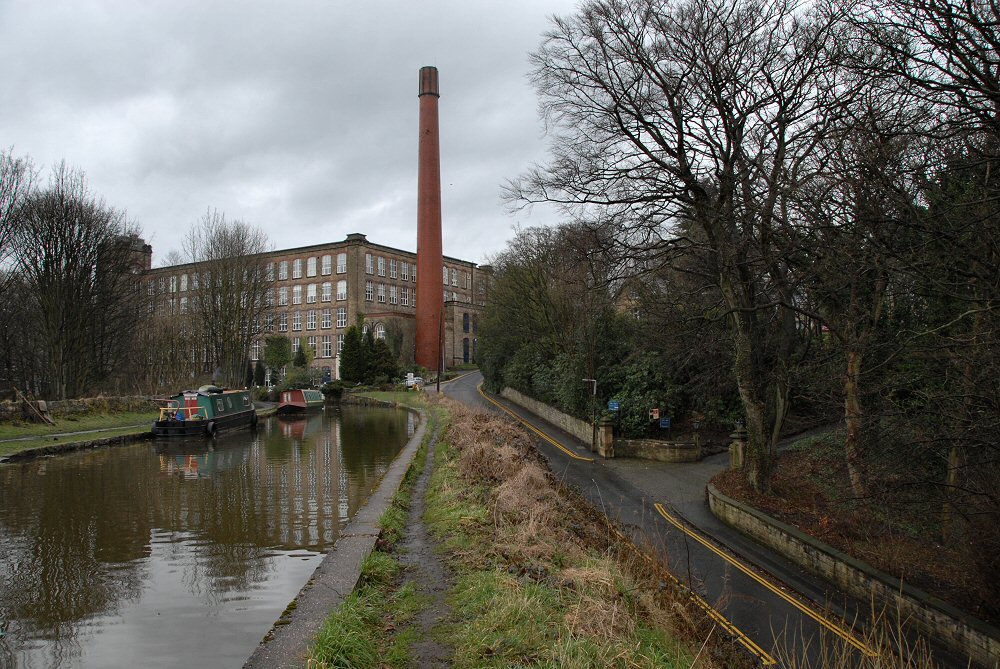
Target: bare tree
x=76, y=256
x=697, y=113
x=17, y=177
x=230, y=303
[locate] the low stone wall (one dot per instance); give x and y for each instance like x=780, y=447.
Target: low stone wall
x=936, y=619
x=12, y=410
x=651, y=449
x=580, y=429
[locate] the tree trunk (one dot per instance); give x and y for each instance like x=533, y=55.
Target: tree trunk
x=853, y=417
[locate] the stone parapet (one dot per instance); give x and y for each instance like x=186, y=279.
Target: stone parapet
x=12, y=410
x=580, y=429
x=933, y=617
x=663, y=451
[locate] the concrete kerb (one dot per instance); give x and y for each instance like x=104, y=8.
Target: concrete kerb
x=288, y=641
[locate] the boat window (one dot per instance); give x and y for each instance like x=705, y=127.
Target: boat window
x=229, y=402
x=219, y=406
x=246, y=401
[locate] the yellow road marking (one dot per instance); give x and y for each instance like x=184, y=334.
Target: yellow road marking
x=748, y=643
x=533, y=428
x=840, y=631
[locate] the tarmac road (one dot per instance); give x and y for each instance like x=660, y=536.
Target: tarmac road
x=759, y=595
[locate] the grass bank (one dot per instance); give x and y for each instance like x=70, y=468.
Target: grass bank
x=17, y=436
x=539, y=579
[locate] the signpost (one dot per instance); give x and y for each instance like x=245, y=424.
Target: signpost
x=614, y=405
x=665, y=423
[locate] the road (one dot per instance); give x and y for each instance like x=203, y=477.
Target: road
x=764, y=600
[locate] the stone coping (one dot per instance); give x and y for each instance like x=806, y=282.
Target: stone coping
x=288, y=641
x=951, y=626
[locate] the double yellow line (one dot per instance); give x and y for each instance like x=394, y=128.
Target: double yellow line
x=765, y=658
x=841, y=631
x=533, y=428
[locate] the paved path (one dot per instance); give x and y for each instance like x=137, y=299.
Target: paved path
x=759, y=593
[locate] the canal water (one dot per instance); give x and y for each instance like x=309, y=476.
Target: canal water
x=179, y=554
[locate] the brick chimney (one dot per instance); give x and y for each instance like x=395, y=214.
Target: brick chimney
x=430, y=286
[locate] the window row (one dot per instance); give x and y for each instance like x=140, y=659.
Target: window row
x=396, y=294
x=324, y=343
x=398, y=269
x=324, y=291
x=324, y=318
x=323, y=263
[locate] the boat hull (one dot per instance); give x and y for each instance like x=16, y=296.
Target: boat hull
x=208, y=428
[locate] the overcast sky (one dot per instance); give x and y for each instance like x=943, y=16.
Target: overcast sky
x=298, y=116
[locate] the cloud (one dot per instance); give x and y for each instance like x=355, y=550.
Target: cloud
x=299, y=117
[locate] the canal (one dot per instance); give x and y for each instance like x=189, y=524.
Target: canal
x=173, y=554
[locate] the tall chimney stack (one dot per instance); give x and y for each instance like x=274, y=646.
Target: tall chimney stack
x=430, y=286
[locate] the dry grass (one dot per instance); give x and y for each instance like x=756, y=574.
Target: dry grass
x=611, y=600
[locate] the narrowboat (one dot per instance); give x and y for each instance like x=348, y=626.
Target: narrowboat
x=205, y=411
x=300, y=400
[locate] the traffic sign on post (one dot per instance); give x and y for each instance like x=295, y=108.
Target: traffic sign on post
x=654, y=414
x=665, y=422
x=614, y=405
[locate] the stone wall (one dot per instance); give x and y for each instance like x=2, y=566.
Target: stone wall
x=960, y=632
x=664, y=451
x=580, y=429
x=62, y=408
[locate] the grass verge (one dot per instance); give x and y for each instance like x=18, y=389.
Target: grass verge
x=34, y=435
x=371, y=628
x=540, y=578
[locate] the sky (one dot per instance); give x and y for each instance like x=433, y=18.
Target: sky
x=296, y=116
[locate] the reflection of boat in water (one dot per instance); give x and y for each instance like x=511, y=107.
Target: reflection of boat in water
x=299, y=426
x=205, y=411
x=300, y=399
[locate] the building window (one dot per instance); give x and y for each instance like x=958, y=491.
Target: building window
x=454, y=276
x=184, y=282
x=465, y=350
x=392, y=268
x=413, y=275
x=445, y=295
x=381, y=292
x=296, y=294
x=283, y=296
x=270, y=271
x=369, y=291
x=296, y=320
x=369, y=264
x=173, y=284
x=296, y=344
x=311, y=293
x=381, y=266
x=379, y=331
x=341, y=263
x=327, y=351
x=297, y=268
x=405, y=298
x=392, y=295
x=465, y=324
x=194, y=281
x=327, y=291
x=405, y=276
x=269, y=297
x=283, y=270
x=327, y=265
x=311, y=319
x=162, y=284
x=311, y=266
x=255, y=351
x=327, y=320
x=312, y=344
x=468, y=280
x=341, y=317
x=341, y=290
x=184, y=305
x=283, y=321
x=444, y=272
x=340, y=344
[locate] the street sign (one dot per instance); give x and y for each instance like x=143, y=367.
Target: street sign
x=654, y=414
x=614, y=405
x=665, y=422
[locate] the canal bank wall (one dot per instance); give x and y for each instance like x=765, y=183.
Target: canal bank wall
x=287, y=643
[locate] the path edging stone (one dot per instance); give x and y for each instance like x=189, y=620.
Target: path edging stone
x=287, y=642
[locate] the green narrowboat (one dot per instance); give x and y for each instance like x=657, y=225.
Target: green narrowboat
x=206, y=411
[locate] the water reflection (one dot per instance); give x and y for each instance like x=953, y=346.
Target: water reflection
x=173, y=552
